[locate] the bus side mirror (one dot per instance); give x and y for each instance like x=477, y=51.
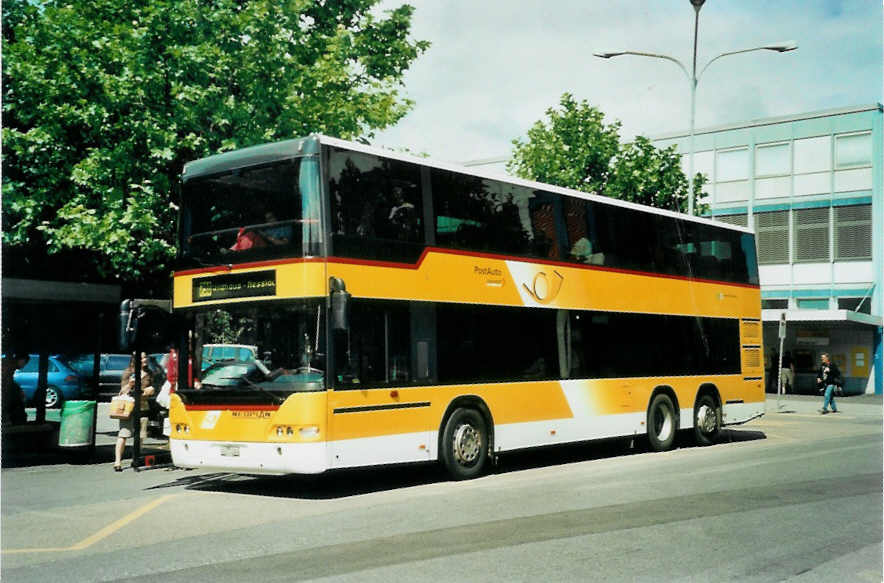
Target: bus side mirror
x=340, y=305
x=148, y=322
x=128, y=327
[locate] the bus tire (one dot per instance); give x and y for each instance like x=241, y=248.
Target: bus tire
x=464, y=450
x=707, y=420
x=662, y=423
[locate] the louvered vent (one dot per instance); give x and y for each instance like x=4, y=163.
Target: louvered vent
x=853, y=232
x=812, y=234
x=751, y=331
x=772, y=234
x=751, y=358
x=740, y=220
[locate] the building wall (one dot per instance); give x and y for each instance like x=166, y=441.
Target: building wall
x=811, y=186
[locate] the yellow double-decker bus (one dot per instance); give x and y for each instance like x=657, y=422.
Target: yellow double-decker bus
x=379, y=309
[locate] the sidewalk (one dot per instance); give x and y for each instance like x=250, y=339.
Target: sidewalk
x=862, y=405
x=48, y=452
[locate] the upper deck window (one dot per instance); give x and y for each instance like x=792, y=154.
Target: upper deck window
x=377, y=206
x=479, y=214
x=389, y=210
x=265, y=211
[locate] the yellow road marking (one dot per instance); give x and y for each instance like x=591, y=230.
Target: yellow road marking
x=103, y=533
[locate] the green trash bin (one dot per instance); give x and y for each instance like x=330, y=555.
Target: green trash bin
x=76, y=424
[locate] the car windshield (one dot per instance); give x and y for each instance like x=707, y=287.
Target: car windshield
x=269, y=349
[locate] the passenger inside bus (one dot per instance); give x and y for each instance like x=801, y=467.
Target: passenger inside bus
x=402, y=218
x=275, y=232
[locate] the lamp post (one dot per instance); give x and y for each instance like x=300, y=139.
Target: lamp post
x=694, y=78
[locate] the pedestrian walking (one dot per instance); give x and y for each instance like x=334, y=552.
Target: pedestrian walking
x=828, y=380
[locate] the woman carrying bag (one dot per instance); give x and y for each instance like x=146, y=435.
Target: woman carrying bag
x=127, y=385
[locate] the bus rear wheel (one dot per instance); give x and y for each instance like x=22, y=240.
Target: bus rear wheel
x=707, y=420
x=662, y=423
x=464, y=448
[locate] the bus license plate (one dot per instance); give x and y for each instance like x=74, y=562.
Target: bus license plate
x=230, y=451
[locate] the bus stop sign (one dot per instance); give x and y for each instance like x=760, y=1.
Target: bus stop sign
x=783, y=326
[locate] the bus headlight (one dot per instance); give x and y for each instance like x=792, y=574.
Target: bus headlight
x=289, y=432
x=309, y=431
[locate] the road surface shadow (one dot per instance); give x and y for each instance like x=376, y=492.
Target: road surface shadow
x=354, y=482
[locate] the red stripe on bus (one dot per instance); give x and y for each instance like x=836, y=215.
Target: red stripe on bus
x=231, y=407
x=428, y=250
x=402, y=265
x=232, y=266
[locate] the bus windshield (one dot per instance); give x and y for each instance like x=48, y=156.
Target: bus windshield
x=256, y=353
x=244, y=214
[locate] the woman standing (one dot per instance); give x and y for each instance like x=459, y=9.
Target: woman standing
x=127, y=385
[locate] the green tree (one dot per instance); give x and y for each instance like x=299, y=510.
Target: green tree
x=575, y=148
x=104, y=101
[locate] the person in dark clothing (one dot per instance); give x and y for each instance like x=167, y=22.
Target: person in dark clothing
x=13, y=406
x=828, y=379
x=773, y=372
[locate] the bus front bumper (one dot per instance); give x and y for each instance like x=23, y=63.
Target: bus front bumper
x=249, y=457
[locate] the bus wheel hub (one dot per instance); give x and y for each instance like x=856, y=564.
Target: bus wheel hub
x=466, y=444
x=706, y=419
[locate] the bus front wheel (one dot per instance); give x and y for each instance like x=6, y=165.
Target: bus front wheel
x=662, y=423
x=707, y=420
x=465, y=444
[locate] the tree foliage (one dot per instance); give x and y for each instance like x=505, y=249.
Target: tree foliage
x=104, y=101
x=575, y=148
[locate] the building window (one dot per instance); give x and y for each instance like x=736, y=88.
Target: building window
x=813, y=303
x=813, y=155
x=704, y=163
x=732, y=165
x=853, y=232
x=852, y=151
x=739, y=220
x=811, y=241
x=772, y=160
x=774, y=304
x=861, y=305
x=772, y=234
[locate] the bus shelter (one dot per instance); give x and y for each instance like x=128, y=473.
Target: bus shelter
x=44, y=318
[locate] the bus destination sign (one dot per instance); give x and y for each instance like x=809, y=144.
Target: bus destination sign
x=237, y=285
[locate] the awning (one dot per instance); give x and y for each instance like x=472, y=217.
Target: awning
x=821, y=316
x=59, y=291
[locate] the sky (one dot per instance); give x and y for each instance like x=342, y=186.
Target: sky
x=496, y=66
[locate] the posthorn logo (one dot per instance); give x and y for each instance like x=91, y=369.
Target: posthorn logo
x=544, y=288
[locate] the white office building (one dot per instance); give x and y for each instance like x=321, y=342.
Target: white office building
x=811, y=186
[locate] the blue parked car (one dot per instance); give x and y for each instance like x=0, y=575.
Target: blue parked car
x=63, y=382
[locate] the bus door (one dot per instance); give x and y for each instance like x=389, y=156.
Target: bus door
x=380, y=406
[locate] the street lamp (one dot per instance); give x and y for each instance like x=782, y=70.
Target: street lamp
x=694, y=78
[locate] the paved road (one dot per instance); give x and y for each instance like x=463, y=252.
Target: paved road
x=794, y=496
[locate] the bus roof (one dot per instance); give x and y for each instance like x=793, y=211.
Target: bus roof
x=267, y=153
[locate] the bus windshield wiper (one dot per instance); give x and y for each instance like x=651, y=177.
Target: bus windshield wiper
x=258, y=387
